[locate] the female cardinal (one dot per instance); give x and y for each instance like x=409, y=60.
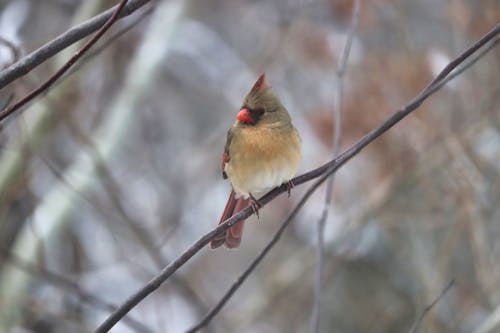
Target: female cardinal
x=263, y=150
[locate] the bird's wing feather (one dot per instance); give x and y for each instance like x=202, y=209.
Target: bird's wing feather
x=225, y=154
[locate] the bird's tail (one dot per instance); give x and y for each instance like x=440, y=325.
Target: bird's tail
x=232, y=237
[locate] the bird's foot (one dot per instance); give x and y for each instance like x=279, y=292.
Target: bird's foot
x=289, y=186
x=255, y=204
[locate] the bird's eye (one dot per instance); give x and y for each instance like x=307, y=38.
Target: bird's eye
x=259, y=112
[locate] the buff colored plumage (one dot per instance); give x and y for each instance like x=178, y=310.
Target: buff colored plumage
x=263, y=150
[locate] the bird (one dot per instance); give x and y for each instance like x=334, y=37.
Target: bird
x=263, y=150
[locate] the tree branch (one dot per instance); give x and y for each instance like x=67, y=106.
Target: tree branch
x=467, y=53
x=416, y=324
x=44, y=86
x=459, y=70
x=71, y=36
x=323, y=171
x=69, y=286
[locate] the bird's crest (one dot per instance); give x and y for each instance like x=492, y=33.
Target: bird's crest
x=259, y=85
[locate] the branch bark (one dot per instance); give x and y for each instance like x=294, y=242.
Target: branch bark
x=44, y=86
x=323, y=171
x=71, y=36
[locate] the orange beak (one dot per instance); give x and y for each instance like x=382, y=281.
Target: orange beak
x=245, y=116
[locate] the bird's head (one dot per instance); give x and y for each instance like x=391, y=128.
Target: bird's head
x=261, y=107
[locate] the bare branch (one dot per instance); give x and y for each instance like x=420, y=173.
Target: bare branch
x=71, y=36
x=320, y=252
x=459, y=70
x=44, y=86
x=324, y=171
x=415, y=326
x=461, y=58
x=69, y=286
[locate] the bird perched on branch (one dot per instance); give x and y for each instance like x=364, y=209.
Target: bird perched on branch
x=263, y=150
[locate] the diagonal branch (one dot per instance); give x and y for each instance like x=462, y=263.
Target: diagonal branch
x=71, y=287
x=459, y=70
x=44, y=86
x=466, y=54
x=323, y=171
x=416, y=324
x=71, y=36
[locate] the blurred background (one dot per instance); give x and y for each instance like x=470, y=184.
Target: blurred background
x=116, y=171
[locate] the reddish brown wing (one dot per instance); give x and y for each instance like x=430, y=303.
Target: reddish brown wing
x=225, y=154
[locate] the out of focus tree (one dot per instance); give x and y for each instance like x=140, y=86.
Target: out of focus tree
x=150, y=107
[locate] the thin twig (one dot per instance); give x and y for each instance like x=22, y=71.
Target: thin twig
x=416, y=324
x=320, y=251
x=460, y=59
x=324, y=171
x=44, y=86
x=69, y=286
x=459, y=70
x=69, y=37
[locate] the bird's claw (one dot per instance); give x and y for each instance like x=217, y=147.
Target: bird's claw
x=255, y=204
x=289, y=186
